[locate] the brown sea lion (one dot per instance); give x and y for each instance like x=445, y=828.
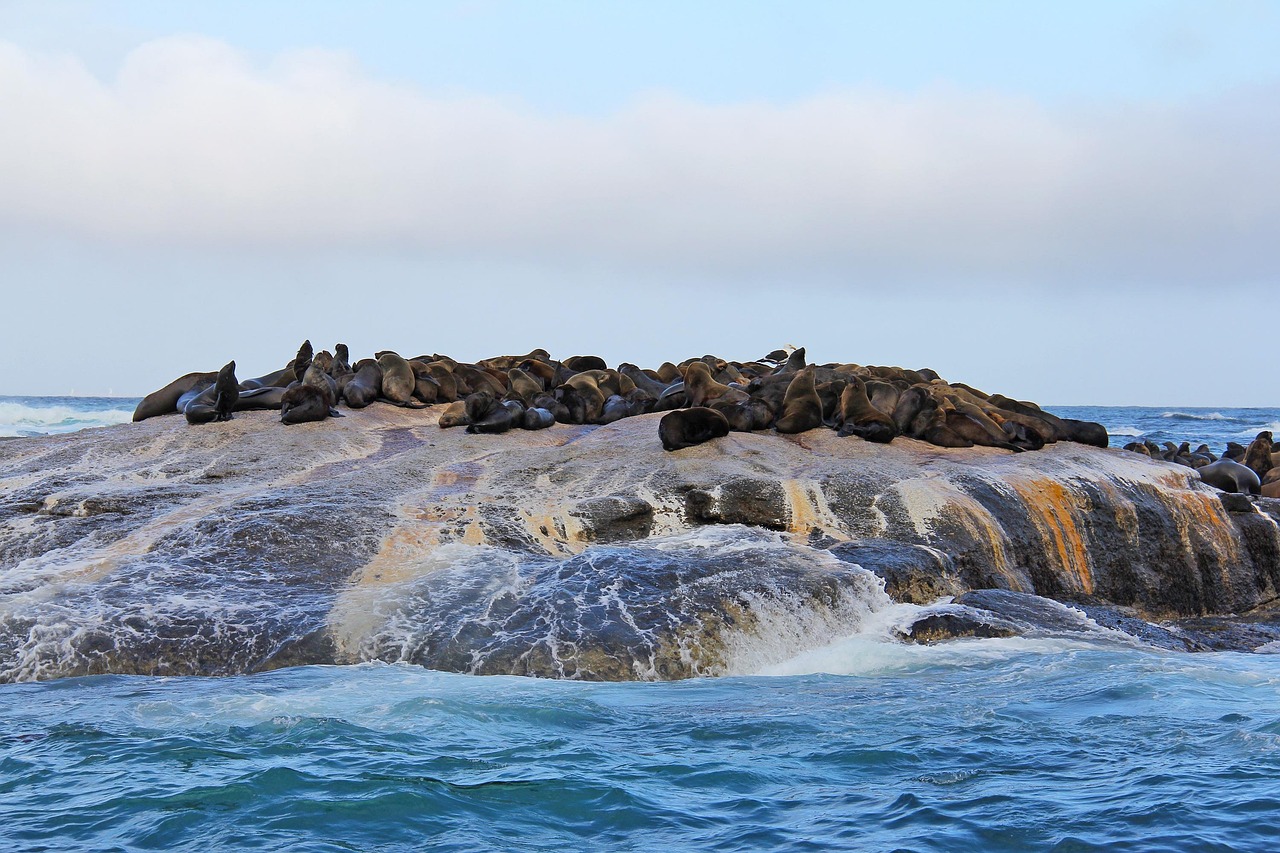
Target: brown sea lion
x=585, y=362
x=700, y=388
x=398, y=379
x=1258, y=454
x=801, y=407
x=425, y=387
x=365, y=384
x=487, y=414
x=302, y=360
x=688, y=427
x=455, y=414
x=304, y=403
x=857, y=416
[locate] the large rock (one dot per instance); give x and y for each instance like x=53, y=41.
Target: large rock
x=159, y=547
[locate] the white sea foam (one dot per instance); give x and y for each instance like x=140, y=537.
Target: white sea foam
x=22, y=419
x=1251, y=432
x=1192, y=416
x=1125, y=430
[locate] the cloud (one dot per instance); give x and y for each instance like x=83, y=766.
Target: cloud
x=194, y=144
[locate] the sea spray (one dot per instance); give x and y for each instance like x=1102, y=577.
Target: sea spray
x=711, y=601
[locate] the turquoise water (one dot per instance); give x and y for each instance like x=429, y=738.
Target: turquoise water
x=979, y=745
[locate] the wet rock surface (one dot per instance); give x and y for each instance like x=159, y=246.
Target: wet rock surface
x=159, y=547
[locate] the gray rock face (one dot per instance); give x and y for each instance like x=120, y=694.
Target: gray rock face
x=161, y=548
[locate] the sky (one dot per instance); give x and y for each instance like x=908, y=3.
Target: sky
x=1072, y=203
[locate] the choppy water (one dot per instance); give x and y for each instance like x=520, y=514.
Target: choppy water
x=23, y=416
x=1081, y=742
x=980, y=745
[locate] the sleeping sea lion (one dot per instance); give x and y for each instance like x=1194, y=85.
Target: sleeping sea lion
x=687, y=427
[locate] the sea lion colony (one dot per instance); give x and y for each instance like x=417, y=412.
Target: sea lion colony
x=1251, y=470
x=705, y=397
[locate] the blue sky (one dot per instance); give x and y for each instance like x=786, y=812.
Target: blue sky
x=1063, y=202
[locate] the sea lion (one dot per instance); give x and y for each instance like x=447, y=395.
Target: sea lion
x=537, y=418
x=302, y=360
x=425, y=387
x=1235, y=452
x=317, y=375
x=365, y=384
x=282, y=378
x=1271, y=490
x=341, y=360
x=795, y=362
x=455, y=414
x=701, y=388
x=304, y=403
x=165, y=401
x=615, y=408
x=687, y=427
x=489, y=415
x=523, y=386
x=227, y=391
x=216, y=401
x=801, y=406
x=857, y=416
x=398, y=380
x=1231, y=476
x=585, y=362
x=1258, y=455
x=1271, y=476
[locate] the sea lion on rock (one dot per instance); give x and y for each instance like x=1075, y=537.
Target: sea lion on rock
x=801, y=406
x=425, y=387
x=165, y=401
x=304, y=403
x=489, y=415
x=687, y=427
x=302, y=360
x=365, y=384
x=585, y=362
x=1231, y=476
x=858, y=417
x=216, y=401
x=398, y=380
x=537, y=418
x=523, y=386
x=1258, y=455
x=1235, y=452
x=701, y=388
x=455, y=414
x=227, y=391
x=341, y=360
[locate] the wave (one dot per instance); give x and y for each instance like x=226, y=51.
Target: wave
x=1192, y=416
x=1125, y=430
x=1252, y=432
x=22, y=419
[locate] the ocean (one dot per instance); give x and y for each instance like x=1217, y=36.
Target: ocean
x=848, y=741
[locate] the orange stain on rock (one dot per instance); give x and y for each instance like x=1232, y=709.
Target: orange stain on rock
x=1052, y=509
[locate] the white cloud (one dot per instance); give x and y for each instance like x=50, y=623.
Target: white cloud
x=192, y=144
